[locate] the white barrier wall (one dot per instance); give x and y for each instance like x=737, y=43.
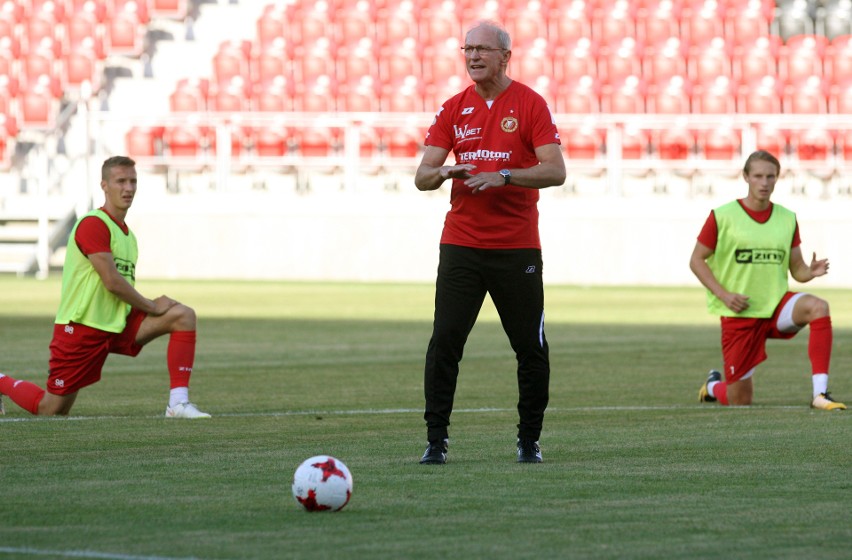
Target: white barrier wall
x=393, y=236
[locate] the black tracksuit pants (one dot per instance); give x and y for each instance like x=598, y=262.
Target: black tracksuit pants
x=513, y=278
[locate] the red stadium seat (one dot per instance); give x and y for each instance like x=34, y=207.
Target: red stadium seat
x=808, y=96
x=82, y=66
x=396, y=22
x=271, y=141
x=838, y=58
x=756, y=58
x=771, y=139
x=716, y=97
x=184, y=140
x=144, y=141
x=666, y=61
x=232, y=59
x=747, y=21
x=355, y=21
x=657, y=21
x=398, y=60
x=84, y=29
x=358, y=59
x=812, y=144
x=625, y=96
x=275, y=96
x=272, y=25
x=137, y=7
x=441, y=59
x=579, y=96
x=575, y=58
x=271, y=62
x=45, y=23
x=840, y=98
x=124, y=33
x=721, y=143
x=674, y=143
x=710, y=60
x=318, y=95
x=313, y=59
x=528, y=63
x=310, y=21
x=98, y=8
x=619, y=60
x=172, y=9
x=584, y=142
x=435, y=94
x=190, y=95
x=438, y=22
x=362, y=95
x=613, y=22
x=39, y=107
x=317, y=141
x=801, y=57
x=635, y=142
x=761, y=96
x=526, y=26
x=402, y=142
x=405, y=95
x=569, y=22
x=702, y=21
x=234, y=96
x=670, y=97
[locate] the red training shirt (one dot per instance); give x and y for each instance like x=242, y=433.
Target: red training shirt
x=503, y=136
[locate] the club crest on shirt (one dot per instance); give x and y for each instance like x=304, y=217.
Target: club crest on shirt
x=509, y=124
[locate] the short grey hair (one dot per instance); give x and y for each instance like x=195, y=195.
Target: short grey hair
x=503, y=38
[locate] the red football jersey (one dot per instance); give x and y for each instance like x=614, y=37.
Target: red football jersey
x=503, y=136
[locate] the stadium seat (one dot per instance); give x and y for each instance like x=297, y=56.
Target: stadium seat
x=234, y=96
x=569, y=22
x=404, y=96
x=584, y=143
x=676, y=143
x=97, y=8
x=808, y=96
x=358, y=59
x=275, y=96
x=749, y=20
x=402, y=142
x=840, y=98
x=317, y=141
x=436, y=93
x=756, y=58
x=137, y=7
x=355, y=21
x=625, y=96
x=82, y=66
x=612, y=22
x=144, y=141
x=530, y=62
x=716, y=97
x=271, y=25
x=360, y=95
x=396, y=22
x=271, y=62
x=657, y=21
x=317, y=95
x=84, y=29
x=709, y=60
x=836, y=19
x=838, y=58
x=438, y=22
x=45, y=22
x=771, y=139
x=574, y=58
x=184, y=140
x=170, y=9
x=795, y=17
x=271, y=140
x=232, y=59
x=312, y=59
x=670, y=97
x=526, y=26
x=720, y=143
x=667, y=60
x=398, y=60
x=619, y=60
x=635, y=142
x=702, y=21
x=802, y=57
x=813, y=144
x=579, y=96
x=190, y=95
x=39, y=107
x=441, y=59
x=760, y=96
x=124, y=33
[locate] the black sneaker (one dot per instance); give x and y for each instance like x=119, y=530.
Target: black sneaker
x=528, y=451
x=436, y=452
x=703, y=393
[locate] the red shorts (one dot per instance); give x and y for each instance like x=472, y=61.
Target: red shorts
x=744, y=341
x=78, y=353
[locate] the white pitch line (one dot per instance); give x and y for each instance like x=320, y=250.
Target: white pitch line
x=83, y=554
x=355, y=412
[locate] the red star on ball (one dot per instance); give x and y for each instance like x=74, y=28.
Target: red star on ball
x=329, y=469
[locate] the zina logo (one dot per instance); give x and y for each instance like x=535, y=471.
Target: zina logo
x=759, y=256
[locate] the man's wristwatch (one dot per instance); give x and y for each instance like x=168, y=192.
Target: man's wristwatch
x=507, y=175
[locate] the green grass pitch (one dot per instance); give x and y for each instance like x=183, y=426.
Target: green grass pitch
x=634, y=466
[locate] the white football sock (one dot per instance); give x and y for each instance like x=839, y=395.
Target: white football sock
x=820, y=383
x=178, y=395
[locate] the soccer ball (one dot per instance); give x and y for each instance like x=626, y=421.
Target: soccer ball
x=322, y=483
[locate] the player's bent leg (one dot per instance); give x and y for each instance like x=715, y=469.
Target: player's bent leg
x=809, y=308
x=56, y=405
x=740, y=393
x=179, y=318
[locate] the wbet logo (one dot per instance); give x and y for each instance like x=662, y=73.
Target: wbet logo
x=759, y=256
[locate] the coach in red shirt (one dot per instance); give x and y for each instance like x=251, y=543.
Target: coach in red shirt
x=506, y=148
